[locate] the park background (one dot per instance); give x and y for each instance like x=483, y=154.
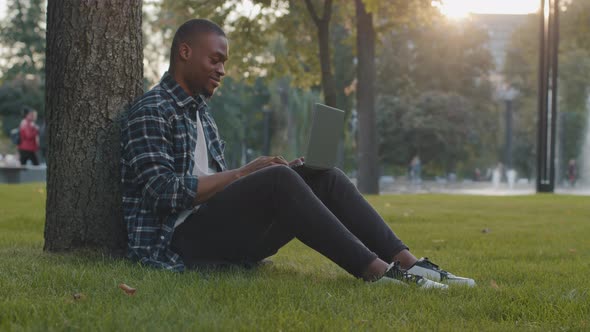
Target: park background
x=457, y=89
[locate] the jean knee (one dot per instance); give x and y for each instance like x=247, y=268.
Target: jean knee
x=336, y=172
x=335, y=175
x=281, y=170
x=283, y=173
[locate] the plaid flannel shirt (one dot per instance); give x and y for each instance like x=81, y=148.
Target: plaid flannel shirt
x=158, y=140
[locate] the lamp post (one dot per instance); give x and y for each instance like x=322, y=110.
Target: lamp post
x=547, y=102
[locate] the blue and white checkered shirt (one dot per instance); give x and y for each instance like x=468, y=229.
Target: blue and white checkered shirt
x=158, y=140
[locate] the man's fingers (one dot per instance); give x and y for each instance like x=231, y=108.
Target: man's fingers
x=297, y=162
x=280, y=160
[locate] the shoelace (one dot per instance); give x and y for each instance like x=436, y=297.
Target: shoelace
x=434, y=266
x=443, y=274
x=395, y=271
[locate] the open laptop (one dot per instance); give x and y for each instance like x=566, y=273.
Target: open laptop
x=325, y=135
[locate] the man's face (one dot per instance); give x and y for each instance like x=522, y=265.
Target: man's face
x=205, y=65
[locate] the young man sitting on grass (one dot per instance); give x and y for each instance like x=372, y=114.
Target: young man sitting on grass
x=183, y=207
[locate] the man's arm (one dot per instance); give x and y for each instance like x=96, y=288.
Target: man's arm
x=150, y=153
x=148, y=150
x=211, y=184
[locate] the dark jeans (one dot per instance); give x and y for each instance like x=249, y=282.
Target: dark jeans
x=28, y=155
x=255, y=216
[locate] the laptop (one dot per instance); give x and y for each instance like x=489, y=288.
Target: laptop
x=325, y=135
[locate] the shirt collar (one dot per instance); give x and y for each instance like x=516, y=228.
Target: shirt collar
x=181, y=98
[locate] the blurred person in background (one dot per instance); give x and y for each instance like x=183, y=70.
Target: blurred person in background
x=29, y=137
x=572, y=172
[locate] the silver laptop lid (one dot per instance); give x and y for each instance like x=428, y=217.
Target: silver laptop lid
x=324, y=137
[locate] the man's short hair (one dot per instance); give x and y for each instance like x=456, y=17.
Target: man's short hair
x=188, y=31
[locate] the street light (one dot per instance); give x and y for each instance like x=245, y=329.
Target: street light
x=547, y=95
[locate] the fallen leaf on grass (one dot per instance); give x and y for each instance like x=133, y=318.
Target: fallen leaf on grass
x=494, y=285
x=127, y=289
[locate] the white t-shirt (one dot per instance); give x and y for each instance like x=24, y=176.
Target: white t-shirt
x=201, y=167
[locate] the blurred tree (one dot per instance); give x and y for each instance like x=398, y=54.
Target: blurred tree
x=521, y=72
x=368, y=167
x=373, y=18
x=442, y=63
x=23, y=36
x=439, y=129
x=94, y=70
x=322, y=22
x=574, y=91
x=437, y=126
x=574, y=80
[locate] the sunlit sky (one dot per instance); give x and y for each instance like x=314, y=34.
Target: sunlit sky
x=2, y=8
x=462, y=8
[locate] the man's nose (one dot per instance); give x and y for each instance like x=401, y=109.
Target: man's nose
x=221, y=70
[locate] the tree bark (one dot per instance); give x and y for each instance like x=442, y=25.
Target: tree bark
x=368, y=177
x=328, y=84
x=94, y=70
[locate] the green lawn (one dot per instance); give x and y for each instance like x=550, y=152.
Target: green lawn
x=536, y=250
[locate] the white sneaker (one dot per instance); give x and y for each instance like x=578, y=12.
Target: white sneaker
x=395, y=274
x=426, y=269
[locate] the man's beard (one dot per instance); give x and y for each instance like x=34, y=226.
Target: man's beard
x=206, y=95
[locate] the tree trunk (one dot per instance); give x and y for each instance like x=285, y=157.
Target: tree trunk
x=368, y=177
x=94, y=70
x=328, y=84
x=323, y=27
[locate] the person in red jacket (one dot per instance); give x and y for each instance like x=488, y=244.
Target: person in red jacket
x=29, y=138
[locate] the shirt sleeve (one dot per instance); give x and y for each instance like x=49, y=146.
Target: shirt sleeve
x=150, y=154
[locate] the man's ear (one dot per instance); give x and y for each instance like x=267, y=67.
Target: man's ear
x=185, y=51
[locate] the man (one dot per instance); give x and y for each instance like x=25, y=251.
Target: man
x=183, y=207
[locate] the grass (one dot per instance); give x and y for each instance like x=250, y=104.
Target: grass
x=531, y=266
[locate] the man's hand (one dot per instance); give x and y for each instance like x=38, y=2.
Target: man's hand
x=260, y=163
x=297, y=162
x=209, y=185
